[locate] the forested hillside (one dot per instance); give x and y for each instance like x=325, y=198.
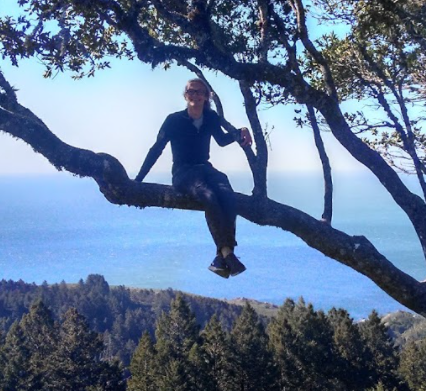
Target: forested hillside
x=90, y=336
x=120, y=313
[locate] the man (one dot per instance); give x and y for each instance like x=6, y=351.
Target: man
x=189, y=132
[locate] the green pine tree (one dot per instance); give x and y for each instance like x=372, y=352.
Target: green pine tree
x=217, y=355
x=142, y=366
x=198, y=368
x=353, y=370
x=302, y=342
x=384, y=361
x=174, y=376
x=412, y=366
x=16, y=358
x=41, y=338
x=176, y=334
x=28, y=351
x=176, y=331
x=2, y=360
x=78, y=358
x=251, y=361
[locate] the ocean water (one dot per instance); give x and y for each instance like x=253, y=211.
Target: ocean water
x=56, y=228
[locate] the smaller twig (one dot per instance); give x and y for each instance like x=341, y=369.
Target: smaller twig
x=328, y=181
x=9, y=91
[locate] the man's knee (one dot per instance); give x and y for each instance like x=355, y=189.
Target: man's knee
x=211, y=198
x=206, y=195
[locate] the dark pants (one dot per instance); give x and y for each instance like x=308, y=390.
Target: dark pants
x=212, y=189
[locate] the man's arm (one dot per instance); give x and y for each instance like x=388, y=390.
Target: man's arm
x=154, y=153
x=242, y=136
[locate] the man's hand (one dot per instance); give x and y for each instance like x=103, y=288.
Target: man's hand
x=246, y=139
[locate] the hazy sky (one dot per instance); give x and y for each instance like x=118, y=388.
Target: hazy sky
x=120, y=110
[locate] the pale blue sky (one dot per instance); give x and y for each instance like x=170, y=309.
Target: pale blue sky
x=121, y=109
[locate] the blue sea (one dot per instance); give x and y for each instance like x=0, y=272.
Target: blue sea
x=59, y=227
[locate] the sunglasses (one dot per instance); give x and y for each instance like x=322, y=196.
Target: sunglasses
x=192, y=92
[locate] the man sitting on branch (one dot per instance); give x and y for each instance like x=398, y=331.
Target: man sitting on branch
x=189, y=132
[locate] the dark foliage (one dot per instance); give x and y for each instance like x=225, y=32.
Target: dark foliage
x=303, y=349
x=122, y=314
x=71, y=335
x=40, y=354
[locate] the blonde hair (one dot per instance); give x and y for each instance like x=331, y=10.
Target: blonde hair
x=207, y=104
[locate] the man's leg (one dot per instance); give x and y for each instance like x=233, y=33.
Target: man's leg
x=222, y=223
x=212, y=189
x=219, y=209
x=226, y=238
x=192, y=180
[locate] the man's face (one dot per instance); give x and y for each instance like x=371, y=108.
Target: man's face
x=196, y=94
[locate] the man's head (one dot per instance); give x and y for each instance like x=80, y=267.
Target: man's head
x=197, y=92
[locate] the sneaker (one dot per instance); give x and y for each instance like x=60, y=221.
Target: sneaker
x=234, y=264
x=219, y=267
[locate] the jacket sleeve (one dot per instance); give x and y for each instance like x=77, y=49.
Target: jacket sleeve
x=155, y=152
x=221, y=137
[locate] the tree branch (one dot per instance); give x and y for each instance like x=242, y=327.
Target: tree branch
x=411, y=141
x=407, y=135
x=412, y=204
x=259, y=173
x=8, y=99
x=326, y=168
x=310, y=47
x=264, y=6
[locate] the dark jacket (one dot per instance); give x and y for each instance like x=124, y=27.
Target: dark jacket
x=190, y=145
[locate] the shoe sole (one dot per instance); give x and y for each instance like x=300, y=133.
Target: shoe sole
x=233, y=274
x=220, y=272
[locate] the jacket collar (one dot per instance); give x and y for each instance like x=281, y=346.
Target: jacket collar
x=184, y=113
